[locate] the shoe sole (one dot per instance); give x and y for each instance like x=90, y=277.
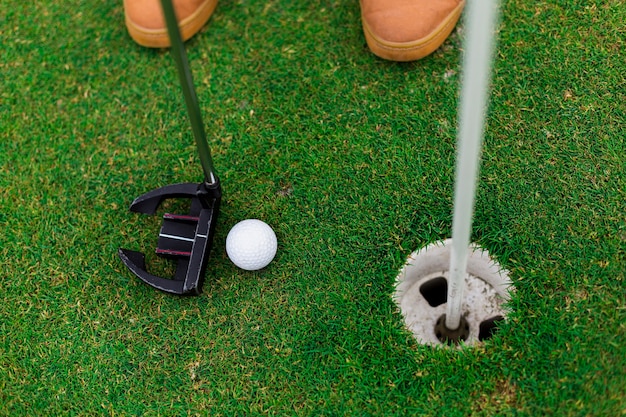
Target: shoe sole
x=413, y=50
x=159, y=38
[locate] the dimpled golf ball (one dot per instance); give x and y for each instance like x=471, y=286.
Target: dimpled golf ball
x=251, y=244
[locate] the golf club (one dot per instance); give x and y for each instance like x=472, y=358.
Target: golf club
x=185, y=238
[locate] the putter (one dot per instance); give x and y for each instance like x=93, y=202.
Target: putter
x=185, y=238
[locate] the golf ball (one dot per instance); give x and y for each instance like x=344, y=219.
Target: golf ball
x=251, y=244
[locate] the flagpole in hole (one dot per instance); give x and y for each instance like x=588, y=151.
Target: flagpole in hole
x=452, y=292
x=477, y=65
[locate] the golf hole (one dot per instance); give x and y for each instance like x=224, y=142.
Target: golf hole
x=422, y=291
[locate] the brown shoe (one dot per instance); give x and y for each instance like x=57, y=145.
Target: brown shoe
x=146, y=24
x=407, y=30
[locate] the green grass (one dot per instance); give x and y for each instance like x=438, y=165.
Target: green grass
x=350, y=159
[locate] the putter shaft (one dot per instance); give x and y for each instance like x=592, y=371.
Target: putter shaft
x=189, y=92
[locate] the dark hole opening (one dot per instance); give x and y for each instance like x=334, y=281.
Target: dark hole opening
x=435, y=291
x=489, y=327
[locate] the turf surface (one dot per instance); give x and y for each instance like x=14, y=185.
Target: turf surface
x=350, y=159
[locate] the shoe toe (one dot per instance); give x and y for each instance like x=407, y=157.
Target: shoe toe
x=410, y=21
x=406, y=30
x=146, y=24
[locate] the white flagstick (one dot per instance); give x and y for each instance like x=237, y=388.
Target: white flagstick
x=482, y=17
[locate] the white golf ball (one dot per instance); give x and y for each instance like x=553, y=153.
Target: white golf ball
x=251, y=244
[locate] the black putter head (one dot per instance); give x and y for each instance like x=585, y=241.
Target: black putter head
x=186, y=238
